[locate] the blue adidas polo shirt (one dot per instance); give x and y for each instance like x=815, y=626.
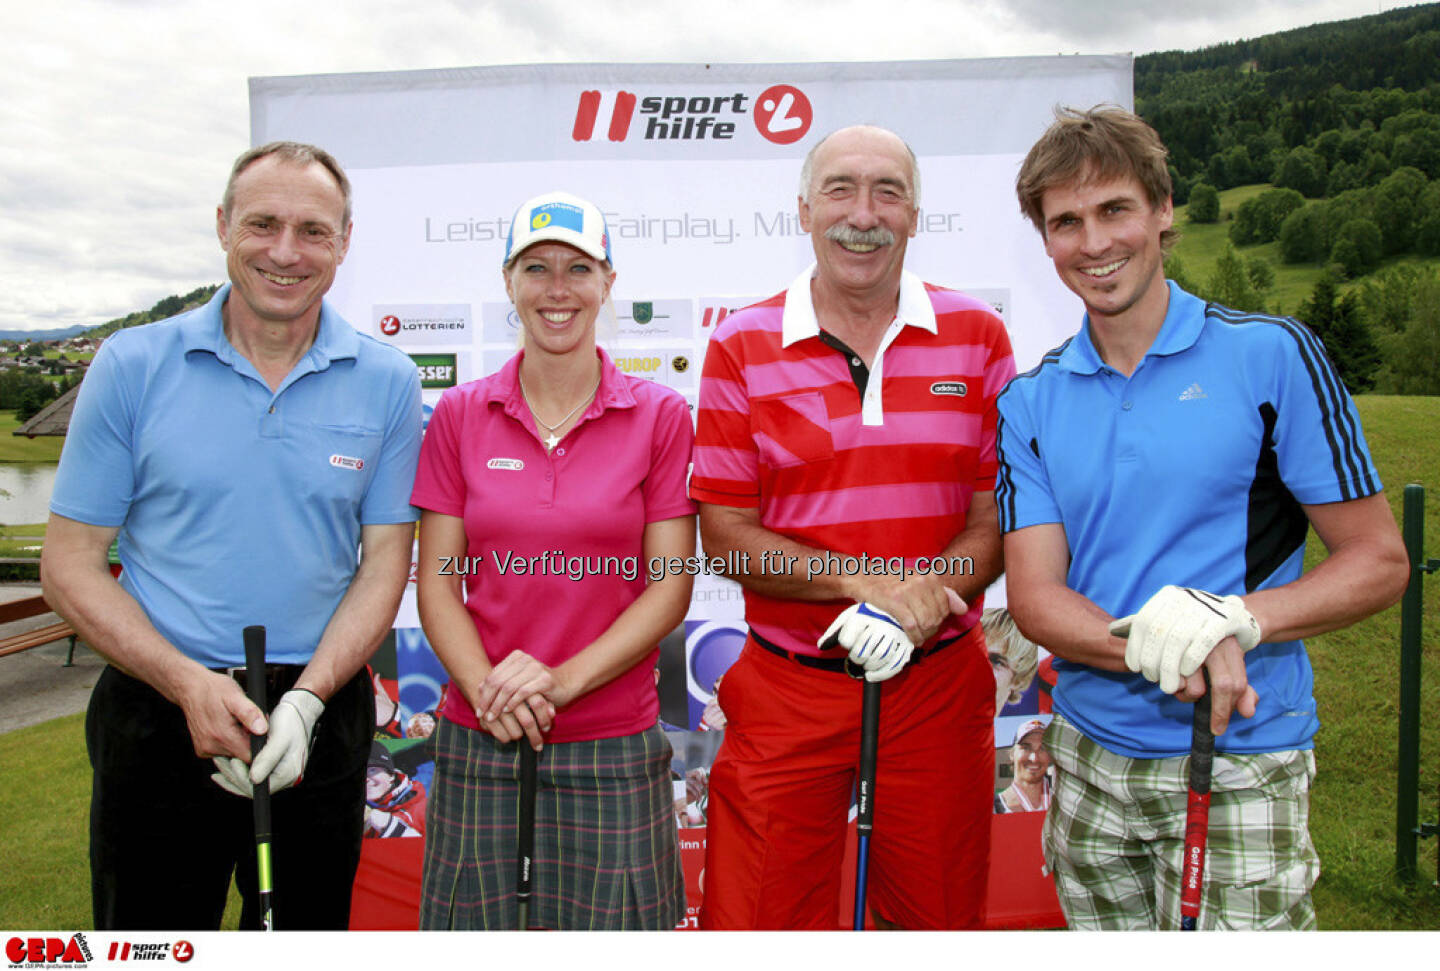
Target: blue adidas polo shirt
x=238, y=505
x=1190, y=471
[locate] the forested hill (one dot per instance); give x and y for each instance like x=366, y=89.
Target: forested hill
x=166, y=307
x=1274, y=93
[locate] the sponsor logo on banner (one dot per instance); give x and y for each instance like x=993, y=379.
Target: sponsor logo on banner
x=500, y=324
x=648, y=366
x=782, y=114
x=672, y=368
x=714, y=310
x=656, y=320
x=423, y=323
x=436, y=370
x=48, y=952
x=181, y=951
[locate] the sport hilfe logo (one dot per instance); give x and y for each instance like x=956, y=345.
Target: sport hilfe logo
x=782, y=114
x=181, y=951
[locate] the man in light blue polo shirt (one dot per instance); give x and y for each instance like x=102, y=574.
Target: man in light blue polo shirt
x=243, y=453
x=1162, y=467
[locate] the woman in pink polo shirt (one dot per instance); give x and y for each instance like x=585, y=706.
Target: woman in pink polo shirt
x=548, y=489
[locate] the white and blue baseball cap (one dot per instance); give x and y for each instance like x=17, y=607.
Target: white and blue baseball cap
x=561, y=218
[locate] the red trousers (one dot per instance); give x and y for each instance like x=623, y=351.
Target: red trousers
x=781, y=786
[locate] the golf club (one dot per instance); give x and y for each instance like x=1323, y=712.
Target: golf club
x=526, y=832
x=1197, y=811
x=255, y=687
x=865, y=794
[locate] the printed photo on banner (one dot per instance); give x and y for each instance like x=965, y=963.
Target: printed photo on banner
x=409, y=690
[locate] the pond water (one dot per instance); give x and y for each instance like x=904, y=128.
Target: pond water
x=28, y=485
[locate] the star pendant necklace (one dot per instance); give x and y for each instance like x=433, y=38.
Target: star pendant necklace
x=553, y=438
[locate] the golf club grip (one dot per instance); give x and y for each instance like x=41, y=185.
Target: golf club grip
x=255, y=674
x=1197, y=811
x=254, y=637
x=526, y=830
x=869, y=742
x=865, y=794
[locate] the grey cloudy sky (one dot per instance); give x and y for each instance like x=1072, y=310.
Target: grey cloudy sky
x=119, y=118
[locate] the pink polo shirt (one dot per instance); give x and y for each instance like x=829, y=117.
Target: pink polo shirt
x=554, y=540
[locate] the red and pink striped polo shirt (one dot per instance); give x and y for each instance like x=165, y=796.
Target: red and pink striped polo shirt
x=782, y=427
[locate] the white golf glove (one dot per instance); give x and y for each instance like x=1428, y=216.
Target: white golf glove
x=875, y=640
x=283, y=758
x=1176, y=630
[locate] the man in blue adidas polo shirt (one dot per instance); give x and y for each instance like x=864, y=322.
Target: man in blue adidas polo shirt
x=241, y=453
x=1162, y=467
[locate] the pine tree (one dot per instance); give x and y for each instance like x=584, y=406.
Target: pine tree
x=1337, y=321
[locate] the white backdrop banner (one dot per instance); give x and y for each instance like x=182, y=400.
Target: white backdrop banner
x=697, y=169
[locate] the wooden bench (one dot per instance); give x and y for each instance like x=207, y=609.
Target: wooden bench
x=34, y=607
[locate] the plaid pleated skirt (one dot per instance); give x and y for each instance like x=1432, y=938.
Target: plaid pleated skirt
x=607, y=853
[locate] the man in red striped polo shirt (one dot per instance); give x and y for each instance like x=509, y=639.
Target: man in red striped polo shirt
x=845, y=460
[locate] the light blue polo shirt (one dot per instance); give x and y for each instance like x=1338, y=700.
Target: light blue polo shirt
x=1190, y=471
x=236, y=505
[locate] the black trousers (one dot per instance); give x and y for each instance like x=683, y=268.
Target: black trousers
x=165, y=839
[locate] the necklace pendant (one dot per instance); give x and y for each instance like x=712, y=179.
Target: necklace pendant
x=551, y=441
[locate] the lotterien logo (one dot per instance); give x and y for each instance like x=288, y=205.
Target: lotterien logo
x=509, y=465
x=346, y=462
x=956, y=388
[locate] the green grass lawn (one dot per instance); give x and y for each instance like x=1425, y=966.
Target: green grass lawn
x=45, y=802
x=16, y=448
x=1353, y=802
x=1201, y=244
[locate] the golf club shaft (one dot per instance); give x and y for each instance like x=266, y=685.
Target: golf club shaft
x=865, y=794
x=255, y=684
x=1197, y=811
x=526, y=831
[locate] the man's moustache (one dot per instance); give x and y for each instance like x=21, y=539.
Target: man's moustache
x=841, y=233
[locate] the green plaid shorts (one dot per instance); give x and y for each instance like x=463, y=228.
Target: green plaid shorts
x=1115, y=834
x=607, y=855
